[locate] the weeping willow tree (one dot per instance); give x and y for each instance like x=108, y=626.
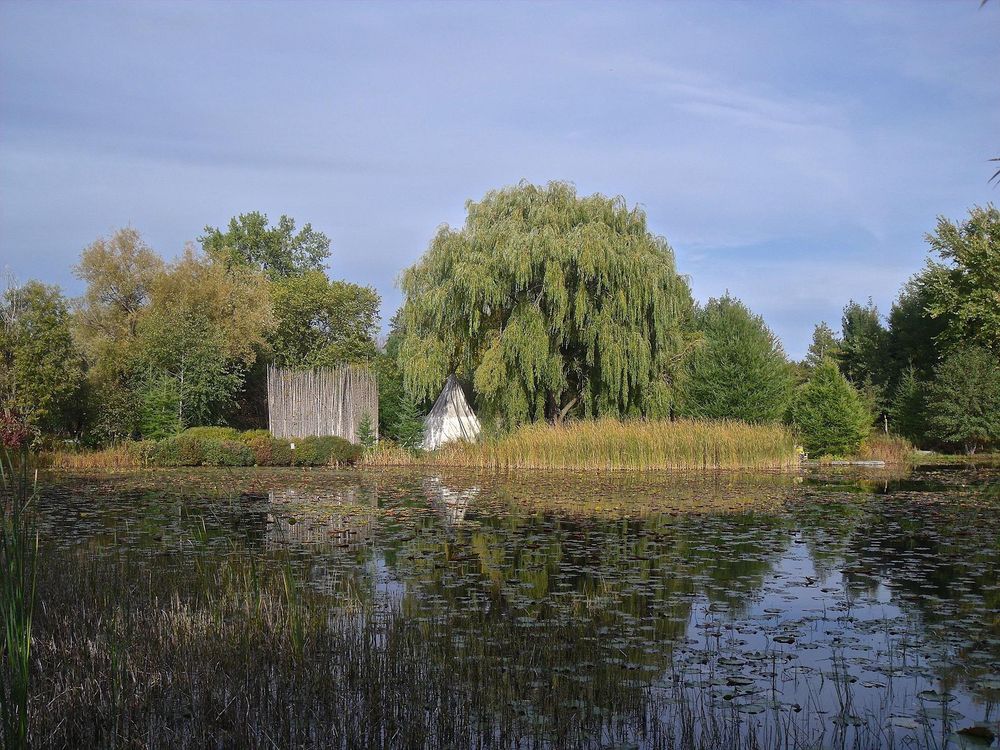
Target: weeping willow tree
x=551, y=304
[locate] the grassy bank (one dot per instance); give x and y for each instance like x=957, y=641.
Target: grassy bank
x=615, y=445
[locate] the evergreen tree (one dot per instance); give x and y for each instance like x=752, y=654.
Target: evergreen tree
x=829, y=413
x=964, y=399
x=824, y=344
x=390, y=380
x=862, y=345
x=739, y=371
x=409, y=427
x=551, y=304
x=366, y=431
x=908, y=411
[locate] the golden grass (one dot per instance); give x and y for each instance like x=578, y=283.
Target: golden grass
x=609, y=444
x=889, y=448
x=121, y=456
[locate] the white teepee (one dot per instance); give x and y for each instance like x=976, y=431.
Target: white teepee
x=451, y=418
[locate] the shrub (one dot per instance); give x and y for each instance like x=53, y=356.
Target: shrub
x=250, y=435
x=227, y=453
x=165, y=453
x=325, y=450
x=830, y=414
x=183, y=450
x=269, y=451
x=211, y=433
x=140, y=451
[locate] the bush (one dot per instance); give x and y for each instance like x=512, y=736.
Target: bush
x=830, y=414
x=269, y=451
x=211, y=433
x=166, y=453
x=227, y=453
x=325, y=450
x=251, y=435
x=140, y=451
x=183, y=450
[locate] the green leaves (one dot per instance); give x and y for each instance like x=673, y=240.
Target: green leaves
x=323, y=323
x=277, y=251
x=964, y=288
x=41, y=370
x=548, y=303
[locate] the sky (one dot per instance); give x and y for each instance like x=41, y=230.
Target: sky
x=792, y=154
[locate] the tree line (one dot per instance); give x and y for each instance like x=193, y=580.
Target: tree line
x=549, y=306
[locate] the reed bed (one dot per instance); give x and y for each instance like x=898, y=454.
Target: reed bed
x=235, y=651
x=121, y=456
x=608, y=445
x=18, y=557
x=892, y=449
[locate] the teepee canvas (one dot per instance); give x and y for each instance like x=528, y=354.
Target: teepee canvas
x=451, y=418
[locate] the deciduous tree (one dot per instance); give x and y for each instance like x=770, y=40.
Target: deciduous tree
x=963, y=287
x=551, y=304
x=278, y=251
x=41, y=370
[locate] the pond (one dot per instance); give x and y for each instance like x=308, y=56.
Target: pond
x=408, y=608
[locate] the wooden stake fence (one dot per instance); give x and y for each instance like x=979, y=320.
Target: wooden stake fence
x=325, y=401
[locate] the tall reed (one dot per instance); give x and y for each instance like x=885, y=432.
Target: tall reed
x=609, y=444
x=18, y=555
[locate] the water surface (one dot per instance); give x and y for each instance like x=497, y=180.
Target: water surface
x=833, y=608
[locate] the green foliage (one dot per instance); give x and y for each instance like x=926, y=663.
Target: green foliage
x=41, y=371
x=913, y=333
x=739, y=371
x=323, y=323
x=324, y=451
x=366, y=431
x=168, y=345
x=908, y=412
x=829, y=413
x=390, y=380
x=964, y=399
x=269, y=451
x=160, y=408
x=963, y=288
x=277, y=251
x=862, y=346
x=212, y=433
x=825, y=344
x=226, y=453
x=409, y=426
x=551, y=304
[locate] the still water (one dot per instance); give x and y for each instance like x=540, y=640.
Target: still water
x=817, y=609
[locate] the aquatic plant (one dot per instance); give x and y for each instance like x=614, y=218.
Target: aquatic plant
x=609, y=444
x=18, y=558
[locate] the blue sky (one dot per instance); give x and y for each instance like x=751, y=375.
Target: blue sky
x=793, y=154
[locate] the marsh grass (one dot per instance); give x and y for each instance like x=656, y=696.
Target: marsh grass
x=892, y=449
x=609, y=444
x=129, y=455
x=18, y=567
x=241, y=655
